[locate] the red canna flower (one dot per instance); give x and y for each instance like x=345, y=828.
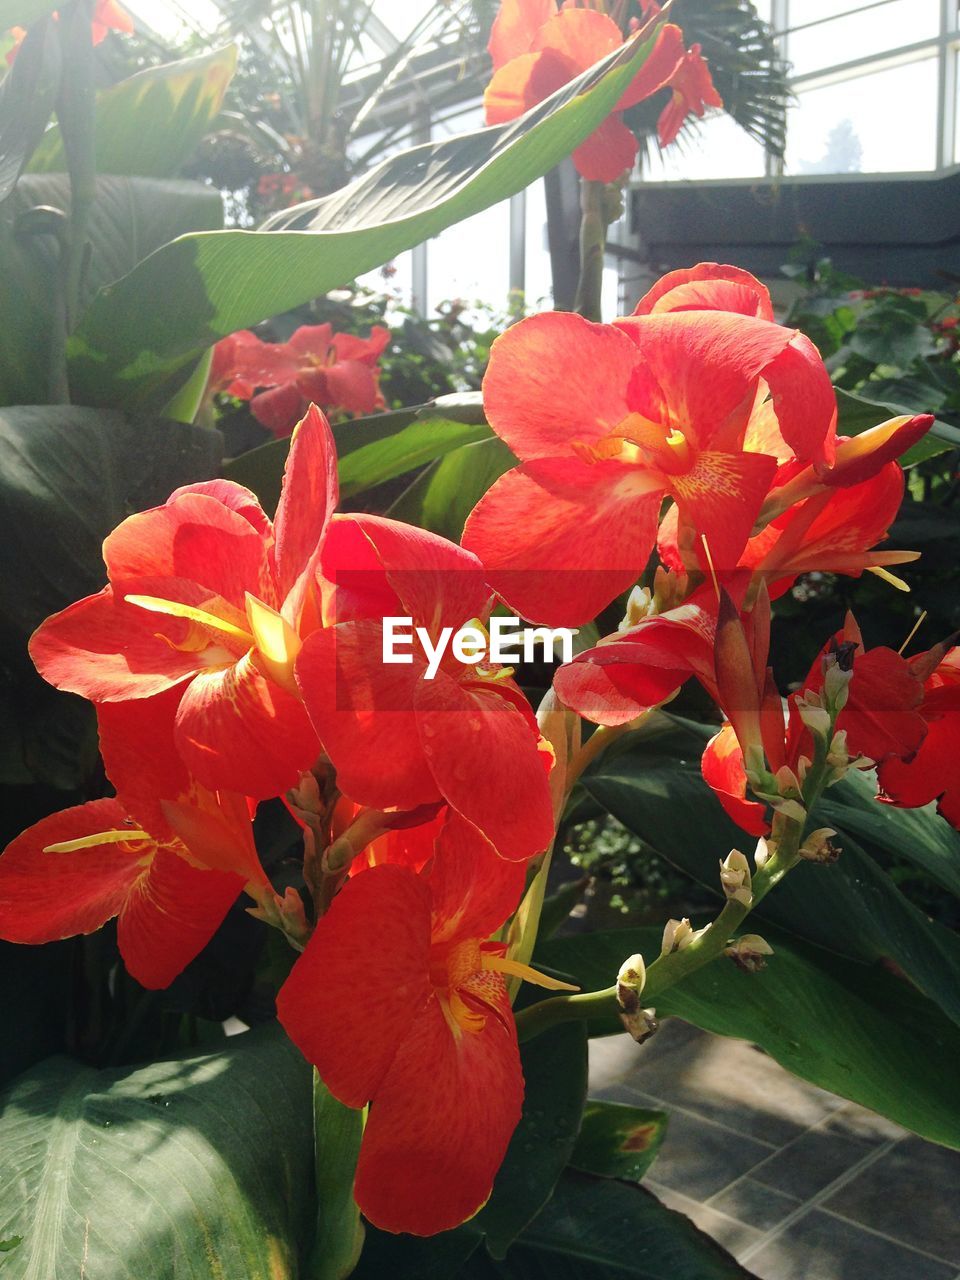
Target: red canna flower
x=698, y=404
x=206, y=593
x=537, y=47
x=397, y=736
x=335, y=371
x=167, y=857
x=108, y=16
x=399, y=1001
x=934, y=771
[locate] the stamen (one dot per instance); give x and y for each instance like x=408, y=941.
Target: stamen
x=153, y=604
x=132, y=836
x=913, y=631
x=713, y=572
x=888, y=577
x=500, y=964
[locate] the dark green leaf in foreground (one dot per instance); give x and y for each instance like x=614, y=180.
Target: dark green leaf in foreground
x=618, y=1141
x=28, y=92
x=198, y=1169
x=853, y=1029
x=555, y=1088
x=596, y=1229
x=337, y=1130
x=150, y=123
x=139, y=337
x=67, y=476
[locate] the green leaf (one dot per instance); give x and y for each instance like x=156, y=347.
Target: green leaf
x=390, y=1257
x=7, y=1246
x=596, y=1229
x=134, y=341
x=853, y=1029
x=28, y=93
x=149, y=124
x=372, y=450
x=69, y=476
x=337, y=1131
x=130, y=217
x=441, y=499
x=920, y=835
x=555, y=1089
x=654, y=787
x=618, y=1141
x=198, y=1168
x=855, y=413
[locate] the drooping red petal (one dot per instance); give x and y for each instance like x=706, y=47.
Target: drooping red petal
x=556, y=378
x=46, y=896
x=693, y=91
x=353, y=386
x=354, y=582
x=474, y=889
x=141, y=759
x=483, y=753
x=709, y=286
x=658, y=68
x=366, y=351
x=197, y=538
x=308, y=499
x=235, y=496
x=169, y=916
x=933, y=774
x=515, y=27
x=352, y=998
x=721, y=496
x=440, y=1123
x=881, y=716
x=106, y=650
x=582, y=36
x=363, y=711
x=862, y=456
x=236, y=729
x=804, y=400
x=722, y=768
x=560, y=538
x=609, y=152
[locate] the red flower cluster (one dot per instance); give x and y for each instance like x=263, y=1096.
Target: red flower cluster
x=233, y=659
x=537, y=46
x=336, y=371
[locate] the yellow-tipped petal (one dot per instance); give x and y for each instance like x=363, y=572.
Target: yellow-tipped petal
x=272, y=634
x=174, y=609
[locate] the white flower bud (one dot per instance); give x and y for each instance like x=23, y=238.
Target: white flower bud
x=735, y=877
x=817, y=846
x=677, y=934
x=749, y=952
x=640, y=605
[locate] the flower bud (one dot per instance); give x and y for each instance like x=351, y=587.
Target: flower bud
x=818, y=847
x=788, y=784
x=640, y=605
x=816, y=718
x=836, y=684
x=735, y=878
x=677, y=934
x=749, y=952
x=641, y=1025
x=630, y=980
x=763, y=853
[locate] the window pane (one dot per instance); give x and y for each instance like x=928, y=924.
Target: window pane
x=885, y=122
x=855, y=35
x=718, y=148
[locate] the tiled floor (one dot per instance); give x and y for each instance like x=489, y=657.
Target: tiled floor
x=795, y=1182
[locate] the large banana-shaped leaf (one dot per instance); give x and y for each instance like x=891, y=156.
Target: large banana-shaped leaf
x=140, y=337
x=147, y=125
x=198, y=1169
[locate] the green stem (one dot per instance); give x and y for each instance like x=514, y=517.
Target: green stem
x=593, y=240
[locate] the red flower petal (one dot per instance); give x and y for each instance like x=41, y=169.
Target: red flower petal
x=474, y=889
x=105, y=650
x=709, y=286
x=440, y=1123
x=582, y=36
x=307, y=502
x=353, y=386
x=279, y=409
x=352, y=997
x=661, y=64
x=523, y=82
x=933, y=774
x=197, y=538
x=236, y=497
x=515, y=27
x=46, y=896
x=140, y=758
x=556, y=378
x=722, y=768
x=483, y=753
x=170, y=915
x=238, y=730
x=560, y=538
x=804, y=400
x=721, y=496
x=363, y=711
x=610, y=150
